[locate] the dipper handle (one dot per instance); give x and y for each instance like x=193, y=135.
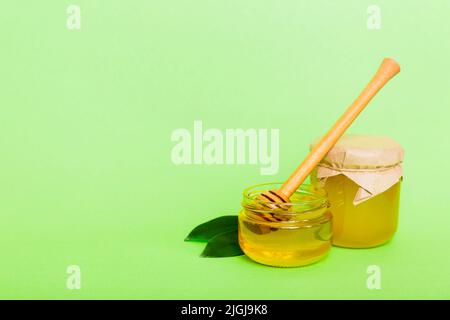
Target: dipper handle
x=388, y=69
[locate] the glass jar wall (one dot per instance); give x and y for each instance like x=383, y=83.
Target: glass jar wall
x=295, y=235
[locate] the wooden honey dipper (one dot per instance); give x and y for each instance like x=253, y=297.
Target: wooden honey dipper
x=388, y=69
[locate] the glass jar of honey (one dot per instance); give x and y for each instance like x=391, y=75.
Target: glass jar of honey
x=297, y=234
x=362, y=176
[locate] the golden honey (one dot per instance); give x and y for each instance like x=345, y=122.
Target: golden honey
x=295, y=237
x=362, y=177
x=368, y=224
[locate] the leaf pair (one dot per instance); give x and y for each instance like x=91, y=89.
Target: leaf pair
x=221, y=235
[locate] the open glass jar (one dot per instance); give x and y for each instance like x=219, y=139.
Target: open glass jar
x=295, y=235
x=362, y=176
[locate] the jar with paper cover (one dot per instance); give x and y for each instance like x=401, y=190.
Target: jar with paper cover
x=362, y=176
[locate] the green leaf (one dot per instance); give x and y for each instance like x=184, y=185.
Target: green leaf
x=206, y=231
x=223, y=245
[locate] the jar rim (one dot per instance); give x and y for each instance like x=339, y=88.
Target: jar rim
x=358, y=168
x=319, y=195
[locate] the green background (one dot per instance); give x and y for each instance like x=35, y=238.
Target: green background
x=86, y=116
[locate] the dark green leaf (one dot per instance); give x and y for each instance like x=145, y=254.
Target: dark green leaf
x=223, y=245
x=208, y=230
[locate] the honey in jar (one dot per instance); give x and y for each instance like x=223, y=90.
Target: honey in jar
x=295, y=235
x=362, y=177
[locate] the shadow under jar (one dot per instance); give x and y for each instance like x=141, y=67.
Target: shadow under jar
x=296, y=235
